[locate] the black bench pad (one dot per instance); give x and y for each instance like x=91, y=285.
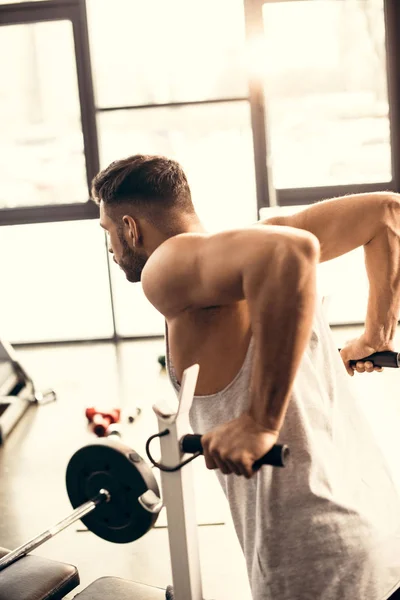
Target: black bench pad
x=114, y=588
x=36, y=578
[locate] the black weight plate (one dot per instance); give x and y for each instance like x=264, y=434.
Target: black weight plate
x=126, y=476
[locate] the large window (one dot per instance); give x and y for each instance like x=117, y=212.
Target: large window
x=41, y=143
x=260, y=101
x=164, y=51
x=199, y=57
x=213, y=142
x=325, y=79
x=324, y=72
x=179, y=91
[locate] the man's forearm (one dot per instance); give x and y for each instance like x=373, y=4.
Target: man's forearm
x=382, y=260
x=341, y=224
x=281, y=310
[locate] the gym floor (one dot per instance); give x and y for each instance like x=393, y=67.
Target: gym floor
x=34, y=458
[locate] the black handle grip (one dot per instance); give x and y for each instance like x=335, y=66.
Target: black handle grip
x=381, y=359
x=276, y=457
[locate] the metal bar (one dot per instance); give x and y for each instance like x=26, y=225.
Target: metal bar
x=172, y=104
x=392, y=26
x=254, y=26
x=353, y=324
x=40, y=539
x=86, y=93
x=296, y=196
x=111, y=290
x=179, y=497
x=48, y=213
x=34, y=12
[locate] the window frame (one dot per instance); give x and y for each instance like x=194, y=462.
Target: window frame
x=75, y=11
x=267, y=195
x=24, y=13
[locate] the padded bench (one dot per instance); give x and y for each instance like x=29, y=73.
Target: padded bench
x=36, y=578
x=113, y=588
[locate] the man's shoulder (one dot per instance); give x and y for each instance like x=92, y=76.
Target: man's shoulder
x=166, y=272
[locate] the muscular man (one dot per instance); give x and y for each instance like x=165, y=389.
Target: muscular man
x=243, y=305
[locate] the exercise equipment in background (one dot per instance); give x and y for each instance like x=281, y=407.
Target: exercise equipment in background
x=17, y=391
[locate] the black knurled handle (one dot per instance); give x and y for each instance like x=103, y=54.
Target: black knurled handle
x=387, y=358
x=276, y=457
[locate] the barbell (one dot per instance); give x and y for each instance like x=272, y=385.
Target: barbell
x=114, y=492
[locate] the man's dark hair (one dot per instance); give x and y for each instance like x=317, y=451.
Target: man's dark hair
x=151, y=185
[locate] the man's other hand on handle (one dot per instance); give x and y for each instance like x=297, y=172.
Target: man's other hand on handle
x=360, y=348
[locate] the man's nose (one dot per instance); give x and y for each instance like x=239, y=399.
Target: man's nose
x=110, y=250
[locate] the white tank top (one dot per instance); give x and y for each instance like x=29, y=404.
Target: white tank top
x=327, y=526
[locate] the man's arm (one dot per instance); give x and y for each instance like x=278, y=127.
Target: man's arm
x=382, y=261
x=372, y=221
x=274, y=269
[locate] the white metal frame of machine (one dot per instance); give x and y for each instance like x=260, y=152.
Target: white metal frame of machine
x=178, y=494
x=12, y=407
x=17, y=391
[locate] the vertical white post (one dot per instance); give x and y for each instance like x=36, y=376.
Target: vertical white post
x=179, y=497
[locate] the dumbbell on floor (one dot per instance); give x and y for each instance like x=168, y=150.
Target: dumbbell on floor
x=100, y=421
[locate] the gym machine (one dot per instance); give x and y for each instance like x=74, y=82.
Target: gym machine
x=17, y=391
x=115, y=494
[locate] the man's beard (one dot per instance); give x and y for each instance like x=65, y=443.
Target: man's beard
x=131, y=262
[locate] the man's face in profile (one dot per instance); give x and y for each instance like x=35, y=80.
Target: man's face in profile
x=129, y=259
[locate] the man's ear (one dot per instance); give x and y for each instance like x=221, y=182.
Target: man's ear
x=132, y=228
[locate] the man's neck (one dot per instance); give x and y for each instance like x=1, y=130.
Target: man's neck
x=189, y=226
x=194, y=227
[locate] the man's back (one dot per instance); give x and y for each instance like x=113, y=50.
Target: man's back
x=327, y=526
